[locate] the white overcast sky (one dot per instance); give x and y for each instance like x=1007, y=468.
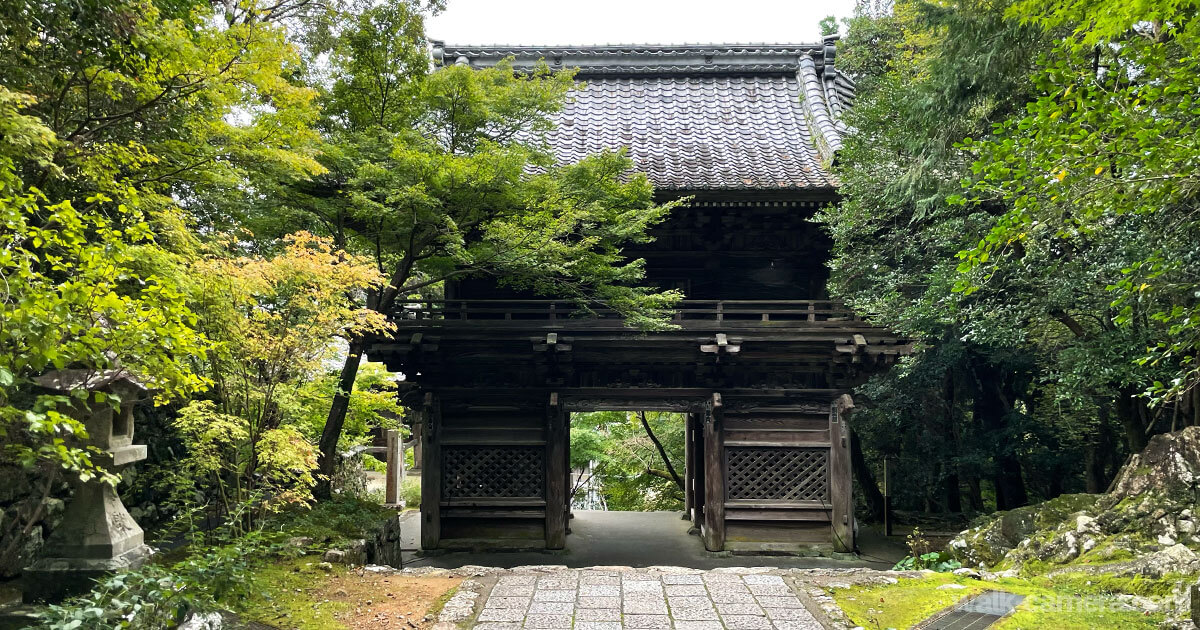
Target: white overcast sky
x=543, y=22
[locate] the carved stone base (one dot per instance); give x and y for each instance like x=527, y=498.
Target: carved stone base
x=97, y=536
x=55, y=579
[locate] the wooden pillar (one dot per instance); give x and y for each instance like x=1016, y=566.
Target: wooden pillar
x=567, y=481
x=394, y=475
x=689, y=465
x=698, y=486
x=841, y=495
x=713, y=531
x=418, y=442
x=556, y=475
x=431, y=475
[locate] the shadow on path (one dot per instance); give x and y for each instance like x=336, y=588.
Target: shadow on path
x=635, y=539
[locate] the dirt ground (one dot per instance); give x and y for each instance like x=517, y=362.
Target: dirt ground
x=385, y=601
x=300, y=594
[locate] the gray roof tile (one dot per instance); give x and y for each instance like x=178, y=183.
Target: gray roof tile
x=760, y=117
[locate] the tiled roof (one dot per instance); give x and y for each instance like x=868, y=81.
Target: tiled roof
x=696, y=117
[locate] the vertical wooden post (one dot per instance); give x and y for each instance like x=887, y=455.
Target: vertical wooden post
x=418, y=443
x=556, y=475
x=840, y=483
x=698, y=485
x=400, y=465
x=713, y=531
x=567, y=479
x=394, y=456
x=689, y=465
x=431, y=475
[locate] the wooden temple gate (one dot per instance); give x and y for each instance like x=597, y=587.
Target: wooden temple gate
x=761, y=464
x=759, y=359
x=766, y=461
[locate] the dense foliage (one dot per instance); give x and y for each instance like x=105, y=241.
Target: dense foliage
x=1018, y=200
x=634, y=460
x=443, y=175
x=223, y=200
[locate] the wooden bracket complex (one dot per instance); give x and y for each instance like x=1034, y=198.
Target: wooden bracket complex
x=722, y=346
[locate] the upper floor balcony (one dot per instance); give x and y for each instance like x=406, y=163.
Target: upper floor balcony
x=568, y=315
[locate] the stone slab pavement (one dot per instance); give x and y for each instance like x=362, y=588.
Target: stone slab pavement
x=615, y=598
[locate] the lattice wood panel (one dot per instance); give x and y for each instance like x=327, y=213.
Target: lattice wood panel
x=494, y=471
x=777, y=474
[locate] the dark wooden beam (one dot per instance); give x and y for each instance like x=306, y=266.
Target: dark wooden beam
x=698, y=486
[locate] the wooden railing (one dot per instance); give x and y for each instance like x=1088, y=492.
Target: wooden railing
x=548, y=311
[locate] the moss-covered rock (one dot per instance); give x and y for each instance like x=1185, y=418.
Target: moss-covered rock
x=1169, y=467
x=990, y=541
x=1146, y=525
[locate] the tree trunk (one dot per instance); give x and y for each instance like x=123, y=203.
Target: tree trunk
x=332, y=433
x=955, y=475
x=662, y=452
x=953, y=493
x=866, y=478
x=1131, y=421
x=1095, y=454
x=974, y=493
x=991, y=407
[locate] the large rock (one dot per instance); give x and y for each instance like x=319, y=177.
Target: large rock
x=388, y=546
x=357, y=553
x=1169, y=467
x=1146, y=525
x=987, y=544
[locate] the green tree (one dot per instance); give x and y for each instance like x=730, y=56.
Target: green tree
x=443, y=175
x=274, y=320
x=121, y=122
x=828, y=26
x=158, y=103
x=929, y=75
x=1100, y=172
x=74, y=294
x=1034, y=296
x=638, y=457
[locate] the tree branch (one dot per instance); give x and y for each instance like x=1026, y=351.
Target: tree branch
x=662, y=452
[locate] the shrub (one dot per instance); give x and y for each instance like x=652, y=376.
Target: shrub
x=410, y=492
x=157, y=597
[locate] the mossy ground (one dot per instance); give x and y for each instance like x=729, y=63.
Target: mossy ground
x=337, y=520
x=297, y=594
x=1062, y=603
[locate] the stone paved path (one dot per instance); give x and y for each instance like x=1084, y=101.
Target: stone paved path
x=596, y=599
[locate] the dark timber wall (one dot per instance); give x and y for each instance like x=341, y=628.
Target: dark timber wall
x=756, y=471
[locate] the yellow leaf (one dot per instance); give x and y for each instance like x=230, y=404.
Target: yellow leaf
x=1055, y=115
x=1099, y=169
x=1061, y=175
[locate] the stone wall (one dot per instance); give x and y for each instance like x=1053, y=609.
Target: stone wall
x=20, y=496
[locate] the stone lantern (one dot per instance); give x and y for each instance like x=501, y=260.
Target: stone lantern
x=97, y=535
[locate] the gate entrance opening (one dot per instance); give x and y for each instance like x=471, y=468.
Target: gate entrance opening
x=628, y=461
